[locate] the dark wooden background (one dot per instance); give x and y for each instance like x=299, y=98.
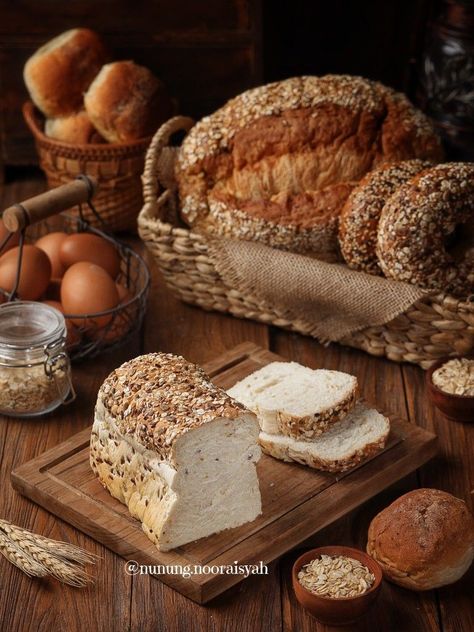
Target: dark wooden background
x=209, y=50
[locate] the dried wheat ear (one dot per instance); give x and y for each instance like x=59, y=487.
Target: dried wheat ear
x=38, y=556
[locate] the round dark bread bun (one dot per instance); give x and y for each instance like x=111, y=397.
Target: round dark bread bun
x=423, y=540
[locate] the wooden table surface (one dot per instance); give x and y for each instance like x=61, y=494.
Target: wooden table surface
x=118, y=602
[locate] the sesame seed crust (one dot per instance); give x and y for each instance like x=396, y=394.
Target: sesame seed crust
x=360, y=216
x=293, y=137
x=415, y=222
x=304, y=223
x=156, y=398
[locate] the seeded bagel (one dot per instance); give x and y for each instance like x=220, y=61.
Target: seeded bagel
x=418, y=222
x=360, y=216
x=258, y=168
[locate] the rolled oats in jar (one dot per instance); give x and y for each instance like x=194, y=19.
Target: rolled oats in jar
x=35, y=371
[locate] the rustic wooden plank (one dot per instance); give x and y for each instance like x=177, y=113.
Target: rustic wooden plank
x=452, y=471
x=296, y=500
x=382, y=384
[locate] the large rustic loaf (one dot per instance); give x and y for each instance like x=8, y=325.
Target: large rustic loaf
x=360, y=434
x=276, y=163
x=175, y=449
x=295, y=400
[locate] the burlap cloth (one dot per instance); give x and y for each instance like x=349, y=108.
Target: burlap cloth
x=330, y=300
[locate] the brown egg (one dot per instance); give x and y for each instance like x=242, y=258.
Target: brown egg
x=91, y=248
x=12, y=242
x=87, y=289
x=51, y=244
x=73, y=335
x=35, y=272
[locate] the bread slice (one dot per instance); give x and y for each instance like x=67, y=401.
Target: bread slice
x=361, y=433
x=176, y=450
x=296, y=401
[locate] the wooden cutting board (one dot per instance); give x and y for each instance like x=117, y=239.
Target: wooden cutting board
x=297, y=501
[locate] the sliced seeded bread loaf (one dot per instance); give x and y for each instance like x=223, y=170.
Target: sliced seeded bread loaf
x=360, y=434
x=174, y=448
x=295, y=400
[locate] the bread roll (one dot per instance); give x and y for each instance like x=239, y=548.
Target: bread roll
x=286, y=144
x=359, y=219
x=126, y=102
x=418, y=223
x=76, y=129
x=59, y=73
x=423, y=540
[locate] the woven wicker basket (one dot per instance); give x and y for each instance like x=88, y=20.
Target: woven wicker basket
x=116, y=167
x=434, y=327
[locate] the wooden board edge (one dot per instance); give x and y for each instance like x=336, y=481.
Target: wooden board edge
x=35, y=492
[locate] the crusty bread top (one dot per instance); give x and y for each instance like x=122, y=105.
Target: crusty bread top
x=126, y=102
x=160, y=396
x=288, y=138
x=212, y=134
x=61, y=70
x=421, y=531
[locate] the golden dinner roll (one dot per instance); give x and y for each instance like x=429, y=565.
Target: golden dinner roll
x=423, y=540
x=75, y=128
x=126, y=102
x=59, y=73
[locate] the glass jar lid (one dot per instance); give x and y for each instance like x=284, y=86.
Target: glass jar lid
x=28, y=325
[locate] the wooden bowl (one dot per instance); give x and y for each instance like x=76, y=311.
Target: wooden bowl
x=329, y=610
x=454, y=407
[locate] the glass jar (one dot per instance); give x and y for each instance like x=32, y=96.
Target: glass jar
x=446, y=88
x=35, y=371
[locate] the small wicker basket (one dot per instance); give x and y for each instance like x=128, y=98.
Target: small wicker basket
x=433, y=327
x=117, y=168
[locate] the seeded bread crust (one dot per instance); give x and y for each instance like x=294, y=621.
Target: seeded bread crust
x=293, y=137
x=157, y=397
x=125, y=471
x=311, y=426
x=359, y=219
x=423, y=540
x=415, y=222
x=301, y=427
x=298, y=453
x=286, y=453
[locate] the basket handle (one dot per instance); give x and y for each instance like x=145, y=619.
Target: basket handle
x=35, y=209
x=160, y=140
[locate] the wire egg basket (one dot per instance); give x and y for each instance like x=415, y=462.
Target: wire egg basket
x=88, y=334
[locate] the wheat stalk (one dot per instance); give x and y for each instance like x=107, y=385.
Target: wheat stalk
x=38, y=556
